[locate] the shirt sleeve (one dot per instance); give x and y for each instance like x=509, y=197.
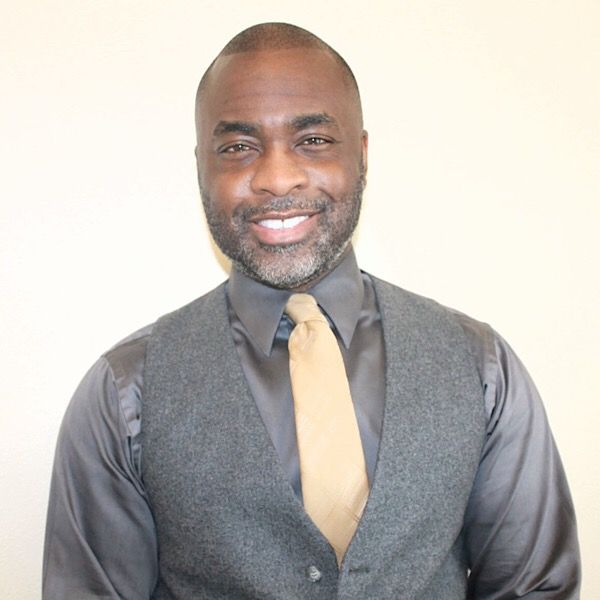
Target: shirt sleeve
x=520, y=533
x=100, y=537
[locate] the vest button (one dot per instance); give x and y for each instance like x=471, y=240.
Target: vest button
x=314, y=574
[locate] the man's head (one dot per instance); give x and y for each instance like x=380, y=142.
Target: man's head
x=281, y=154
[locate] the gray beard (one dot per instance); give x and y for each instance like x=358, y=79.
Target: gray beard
x=287, y=266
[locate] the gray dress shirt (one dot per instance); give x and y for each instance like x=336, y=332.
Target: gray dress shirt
x=520, y=536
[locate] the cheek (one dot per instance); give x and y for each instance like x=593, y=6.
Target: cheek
x=227, y=190
x=336, y=179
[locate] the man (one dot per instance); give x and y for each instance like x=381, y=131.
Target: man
x=183, y=468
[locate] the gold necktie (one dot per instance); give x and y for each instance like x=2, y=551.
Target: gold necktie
x=332, y=463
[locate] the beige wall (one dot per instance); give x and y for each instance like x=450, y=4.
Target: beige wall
x=483, y=193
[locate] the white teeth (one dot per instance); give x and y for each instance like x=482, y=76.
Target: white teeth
x=282, y=223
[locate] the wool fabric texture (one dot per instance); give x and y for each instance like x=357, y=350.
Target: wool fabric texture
x=228, y=522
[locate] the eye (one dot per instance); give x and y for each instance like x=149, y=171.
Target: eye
x=235, y=148
x=314, y=140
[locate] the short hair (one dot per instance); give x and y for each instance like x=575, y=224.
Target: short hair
x=276, y=36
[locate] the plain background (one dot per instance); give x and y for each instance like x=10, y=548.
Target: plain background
x=483, y=193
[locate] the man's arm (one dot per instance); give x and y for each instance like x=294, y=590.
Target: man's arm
x=520, y=532
x=100, y=538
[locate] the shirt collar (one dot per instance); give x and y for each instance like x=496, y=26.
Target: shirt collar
x=259, y=307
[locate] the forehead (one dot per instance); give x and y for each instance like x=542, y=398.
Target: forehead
x=265, y=86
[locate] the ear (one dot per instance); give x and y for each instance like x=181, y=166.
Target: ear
x=197, y=155
x=364, y=151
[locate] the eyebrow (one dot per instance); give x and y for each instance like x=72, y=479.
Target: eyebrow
x=310, y=120
x=244, y=127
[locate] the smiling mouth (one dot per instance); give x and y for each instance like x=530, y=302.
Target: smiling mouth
x=288, y=223
x=284, y=228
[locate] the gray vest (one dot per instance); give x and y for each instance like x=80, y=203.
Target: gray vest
x=229, y=525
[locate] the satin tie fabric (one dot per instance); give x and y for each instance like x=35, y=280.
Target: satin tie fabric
x=332, y=464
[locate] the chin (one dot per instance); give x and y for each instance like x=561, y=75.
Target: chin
x=289, y=267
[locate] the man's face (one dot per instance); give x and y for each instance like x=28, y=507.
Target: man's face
x=281, y=163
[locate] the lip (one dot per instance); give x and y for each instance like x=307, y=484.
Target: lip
x=283, y=228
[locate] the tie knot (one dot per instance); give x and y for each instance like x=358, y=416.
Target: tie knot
x=302, y=308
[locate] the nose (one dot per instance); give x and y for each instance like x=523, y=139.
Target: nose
x=278, y=171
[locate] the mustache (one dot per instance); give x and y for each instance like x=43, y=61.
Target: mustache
x=245, y=212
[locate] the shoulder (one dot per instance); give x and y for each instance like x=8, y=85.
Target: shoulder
x=111, y=394
x=208, y=305
x=126, y=361
x=410, y=312
x=187, y=332
x=508, y=390
x=102, y=421
x=404, y=305
x=128, y=354
x=126, y=358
